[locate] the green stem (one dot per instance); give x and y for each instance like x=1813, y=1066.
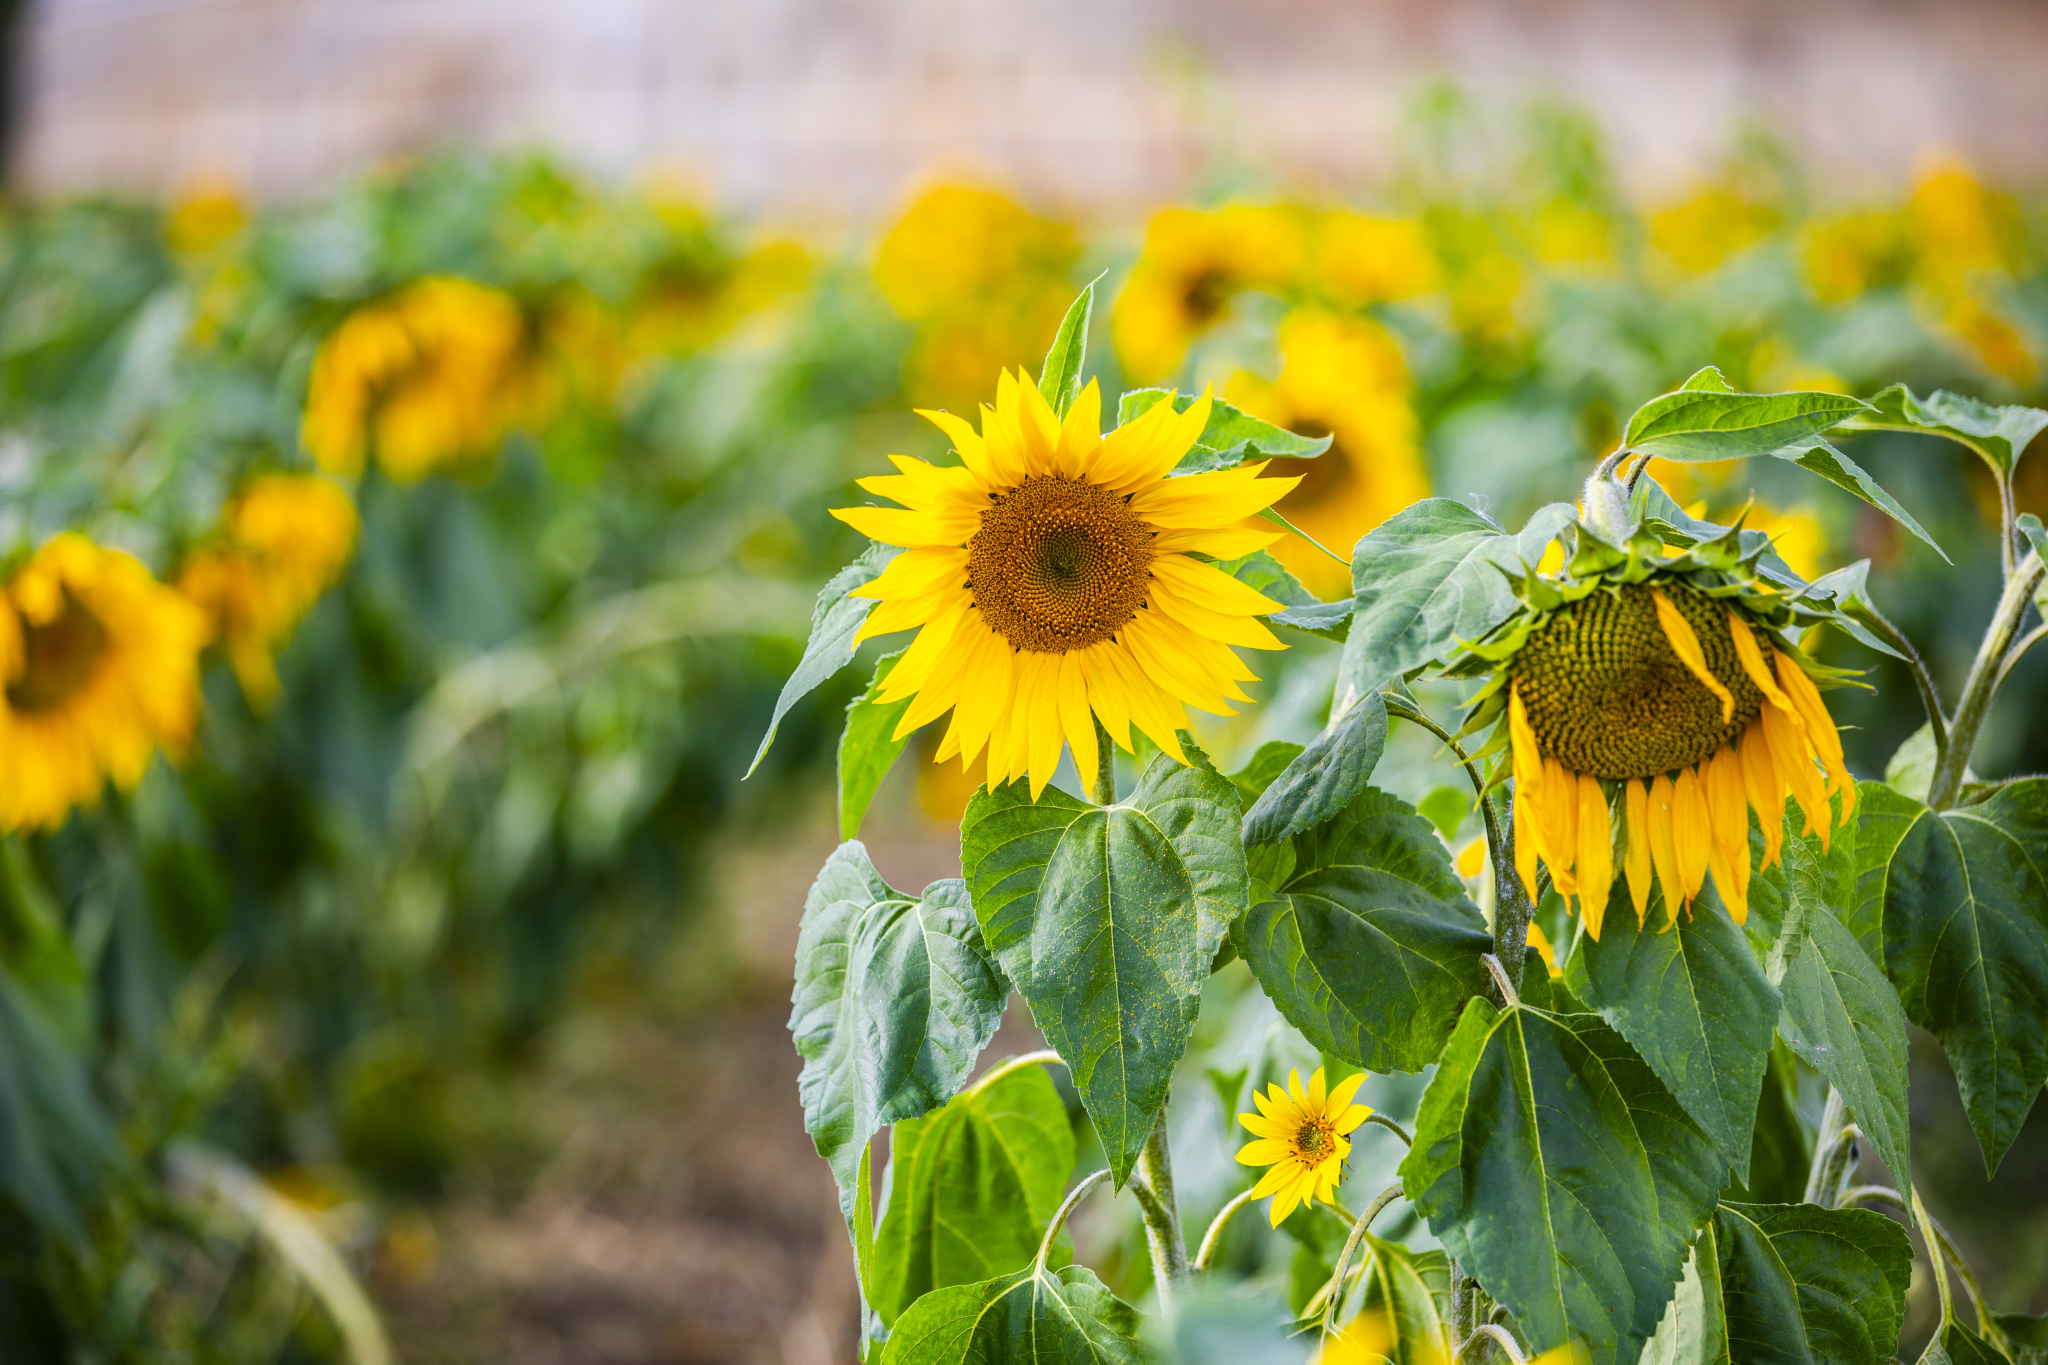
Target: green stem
x=1987, y=1326
x=1104, y=792
x=1929, y=1236
x=1372, y=1211
x=1059, y=1219
x=1214, y=1236
x=1009, y=1064
x=1396, y=1129
x=1498, y=1335
x=1930, y=695
x=1154, y=1189
x=1982, y=687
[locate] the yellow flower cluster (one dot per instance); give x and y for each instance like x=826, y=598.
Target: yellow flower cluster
x=433, y=375
x=985, y=281
x=282, y=542
x=100, y=663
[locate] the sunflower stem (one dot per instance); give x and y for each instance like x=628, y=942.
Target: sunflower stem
x=1059, y=1219
x=1336, y=1300
x=1154, y=1189
x=1512, y=908
x=1982, y=687
x=1104, y=792
x=1214, y=1236
x=1934, y=1254
x=1821, y=1185
x=1498, y=1335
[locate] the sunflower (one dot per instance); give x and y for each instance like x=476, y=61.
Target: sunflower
x=1193, y=264
x=1654, y=697
x=433, y=375
x=1052, y=581
x=283, y=541
x=1300, y=1133
x=100, y=663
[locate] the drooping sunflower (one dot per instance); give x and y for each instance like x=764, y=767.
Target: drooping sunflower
x=1051, y=578
x=100, y=664
x=1647, y=704
x=1301, y=1133
x=433, y=375
x=282, y=542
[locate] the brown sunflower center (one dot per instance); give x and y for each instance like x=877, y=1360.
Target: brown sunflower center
x=60, y=656
x=1316, y=1140
x=1607, y=695
x=1059, y=564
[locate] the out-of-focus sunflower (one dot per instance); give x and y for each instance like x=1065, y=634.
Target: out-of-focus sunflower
x=101, y=666
x=1574, y=235
x=1361, y=259
x=1051, y=579
x=1705, y=230
x=282, y=542
x=1654, y=697
x=1344, y=377
x=1192, y=264
x=433, y=375
x=985, y=281
x=1851, y=253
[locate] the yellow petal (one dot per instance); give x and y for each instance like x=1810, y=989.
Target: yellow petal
x=1557, y=825
x=1663, y=847
x=1595, y=866
x=1636, y=803
x=1263, y=1152
x=1727, y=809
x=1352, y=1118
x=1261, y=1126
x=1342, y=1091
x=1760, y=784
x=1218, y=542
x=1753, y=663
x=1212, y=588
x=1522, y=740
x=1686, y=646
x=895, y=526
x=1525, y=841
x=1317, y=1092
x=1076, y=719
x=1690, y=838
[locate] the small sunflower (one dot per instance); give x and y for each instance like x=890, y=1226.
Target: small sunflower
x=433, y=375
x=1301, y=1134
x=283, y=541
x=100, y=664
x=1655, y=697
x=1194, y=263
x=1052, y=579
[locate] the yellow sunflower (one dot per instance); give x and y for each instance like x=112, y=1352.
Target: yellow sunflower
x=1301, y=1134
x=283, y=542
x=1193, y=264
x=1653, y=698
x=101, y=666
x=1051, y=578
x=435, y=374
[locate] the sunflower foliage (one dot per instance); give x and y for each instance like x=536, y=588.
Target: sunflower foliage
x=1591, y=1015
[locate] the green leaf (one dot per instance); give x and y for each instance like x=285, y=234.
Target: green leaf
x=867, y=747
x=1966, y=943
x=1998, y=434
x=1956, y=1344
x=1108, y=919
x=1323, y=778
x=1059, y=379
x=1230, y=437
x=2027, y=1335
x=1841, y=1016
x=1267, y=764
x=1712, y=424
x=1804, y=1285
x=55, y=1142
x=834, y=622
x=1369, y=945
x=1557, y=1169
x=1910, y=770
x=1431, y=576
x=1883, y=816
x=1693, y=1002
x=895, y=997
x=1404, y=1287
x=1816, y=455
x=1305, y=611
x=1034, y=1317
x=1855, y=613
x=1693, y=1330
x=1781, y=1152
x=971, y=1188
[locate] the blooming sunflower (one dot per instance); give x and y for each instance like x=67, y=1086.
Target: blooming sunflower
x=283, y=541
x=1655, y=697
x=434, y=374
x=1301, y=1134
x=1051, y=578
x=1193, y=264
x=101, y=666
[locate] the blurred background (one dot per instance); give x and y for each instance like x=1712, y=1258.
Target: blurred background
x=472, y=380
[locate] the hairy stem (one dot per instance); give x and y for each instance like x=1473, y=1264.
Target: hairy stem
x=1982, y=687
x=1834, y=1118
x=1930, y=695
x=1372, y=1211
x=1214, y=1236
x=1003, y=1068
x=1498, y=1335
x=1154, y=1189
x=1396, y=1129
x=1059, y=1219
x=1934, y=1254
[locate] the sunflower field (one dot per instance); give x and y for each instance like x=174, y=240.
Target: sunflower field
x=1485, y=728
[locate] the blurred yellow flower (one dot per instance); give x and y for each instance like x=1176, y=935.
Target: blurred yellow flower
x=1701, y=233
x=1853, y=252
x=985, y=280
x=1192, y=264
x=1362, y=259
x=282, y=542
x=1369, y=1339
x=1998, y=345
x=690, y=298
x=101, y=666
x=206, y=217
x=1574, y=234
x=1959, y=226
x=430, y=376
x=1344, y=377
x=1795, y=534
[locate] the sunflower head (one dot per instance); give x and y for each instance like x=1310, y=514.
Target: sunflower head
x=100, y=667
x=1302, y=1133
x=1053, y=579
x=433, y=375
x=1644, y=704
